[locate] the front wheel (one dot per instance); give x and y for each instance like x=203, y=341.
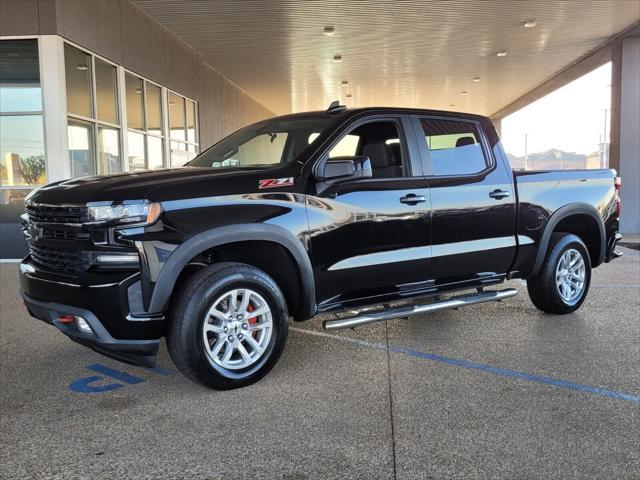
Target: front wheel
x=228, y=326
x=563, y=281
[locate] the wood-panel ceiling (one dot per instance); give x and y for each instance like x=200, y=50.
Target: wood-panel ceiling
x=415, y=53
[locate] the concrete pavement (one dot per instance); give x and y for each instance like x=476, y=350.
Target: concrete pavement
x=429, y=397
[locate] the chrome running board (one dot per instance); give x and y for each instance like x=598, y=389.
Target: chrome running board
x=407, y=311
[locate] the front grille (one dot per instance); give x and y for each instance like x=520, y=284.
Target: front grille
x=60, y=259
x=57, y=214
x=59, y=234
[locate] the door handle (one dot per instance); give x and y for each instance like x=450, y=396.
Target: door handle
x=413, y=199
x=498, y=194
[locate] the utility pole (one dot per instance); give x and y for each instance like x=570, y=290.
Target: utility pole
x=526, y=152
x=604, y=157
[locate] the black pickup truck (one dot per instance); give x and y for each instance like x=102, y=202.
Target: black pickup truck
x=303, y=214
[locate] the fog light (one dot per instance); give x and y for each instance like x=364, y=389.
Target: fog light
x=83, y=326
x=119, y=258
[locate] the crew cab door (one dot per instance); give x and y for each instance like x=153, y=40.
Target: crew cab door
x=370, y=237
x=472, y=201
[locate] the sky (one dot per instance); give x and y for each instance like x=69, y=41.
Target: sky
x=571, y=118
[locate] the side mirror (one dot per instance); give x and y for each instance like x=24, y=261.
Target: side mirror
x=339, y=169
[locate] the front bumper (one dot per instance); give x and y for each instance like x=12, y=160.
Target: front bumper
x=101, y=300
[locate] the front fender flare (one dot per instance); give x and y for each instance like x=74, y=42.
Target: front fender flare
x=201, y=242
x=561, y=214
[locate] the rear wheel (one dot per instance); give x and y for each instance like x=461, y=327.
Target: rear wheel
x=228, y=326
x=563, y=282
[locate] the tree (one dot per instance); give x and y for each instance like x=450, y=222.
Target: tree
x=32, y=168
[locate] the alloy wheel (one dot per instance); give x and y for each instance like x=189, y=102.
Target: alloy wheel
x=237, y=329
x=570, y=276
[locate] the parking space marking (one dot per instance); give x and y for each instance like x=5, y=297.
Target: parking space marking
x=166, y=372
x=121, y=376
x=88, y=384
x=599, y=285
x=469, y=365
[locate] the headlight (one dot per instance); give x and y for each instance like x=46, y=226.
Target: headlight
x=126, y=212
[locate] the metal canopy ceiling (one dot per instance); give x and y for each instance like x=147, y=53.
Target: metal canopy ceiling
x=415, y=53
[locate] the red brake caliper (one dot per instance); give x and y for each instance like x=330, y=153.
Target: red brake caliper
x=252, y=320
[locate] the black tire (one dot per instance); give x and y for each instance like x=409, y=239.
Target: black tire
x=189, y=311
x=543, y=290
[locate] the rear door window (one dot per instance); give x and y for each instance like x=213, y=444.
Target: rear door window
x=454, y=147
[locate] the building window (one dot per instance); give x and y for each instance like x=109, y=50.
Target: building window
x=145, y=135
x=152, y=126
x=92, y=109
x=23, y=163
x=22, y=155
x=106, y=92
x=80, y=135
x=182, y=129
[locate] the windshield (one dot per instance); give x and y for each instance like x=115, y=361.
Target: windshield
x=264, y=144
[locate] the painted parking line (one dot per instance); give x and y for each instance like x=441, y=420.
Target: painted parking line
x=483, y=367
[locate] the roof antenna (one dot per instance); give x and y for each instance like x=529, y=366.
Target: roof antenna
x=335, y=107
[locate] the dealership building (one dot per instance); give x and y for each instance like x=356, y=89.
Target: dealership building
x=104, y=86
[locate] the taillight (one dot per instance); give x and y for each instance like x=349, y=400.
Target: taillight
x=618, y=185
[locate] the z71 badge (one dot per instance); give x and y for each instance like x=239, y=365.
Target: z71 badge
x=275, y=182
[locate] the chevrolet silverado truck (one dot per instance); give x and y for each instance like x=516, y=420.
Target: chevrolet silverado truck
x=376, y=213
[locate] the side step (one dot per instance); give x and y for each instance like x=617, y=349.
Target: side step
x=406, y=311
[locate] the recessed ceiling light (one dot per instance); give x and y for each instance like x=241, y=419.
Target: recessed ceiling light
x=328, y=30
x=345, y=82
x=464, y=92
x=82, y=68
x=529, y=24
x=501, y=53
x=337, y=57
x=476, y=79
x=452, y=104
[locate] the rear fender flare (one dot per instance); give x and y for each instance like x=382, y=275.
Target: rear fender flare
x=559, y=215
x=201, y=242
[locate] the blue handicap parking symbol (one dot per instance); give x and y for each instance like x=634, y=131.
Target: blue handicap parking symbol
x=94, y=383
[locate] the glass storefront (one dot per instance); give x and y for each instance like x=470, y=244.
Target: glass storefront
x=115, y=120
x=92, y=109
x=111, y=132
x=22, y=155
x=23, y=163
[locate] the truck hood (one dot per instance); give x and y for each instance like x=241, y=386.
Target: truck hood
x=156, y=185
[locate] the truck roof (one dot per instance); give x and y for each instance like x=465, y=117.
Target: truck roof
x=345, y=113
x=348, y=112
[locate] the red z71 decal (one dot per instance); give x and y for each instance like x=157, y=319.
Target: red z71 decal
x=275, y=182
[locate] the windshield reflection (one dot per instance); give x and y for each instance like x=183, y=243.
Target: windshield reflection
x=264, y=144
